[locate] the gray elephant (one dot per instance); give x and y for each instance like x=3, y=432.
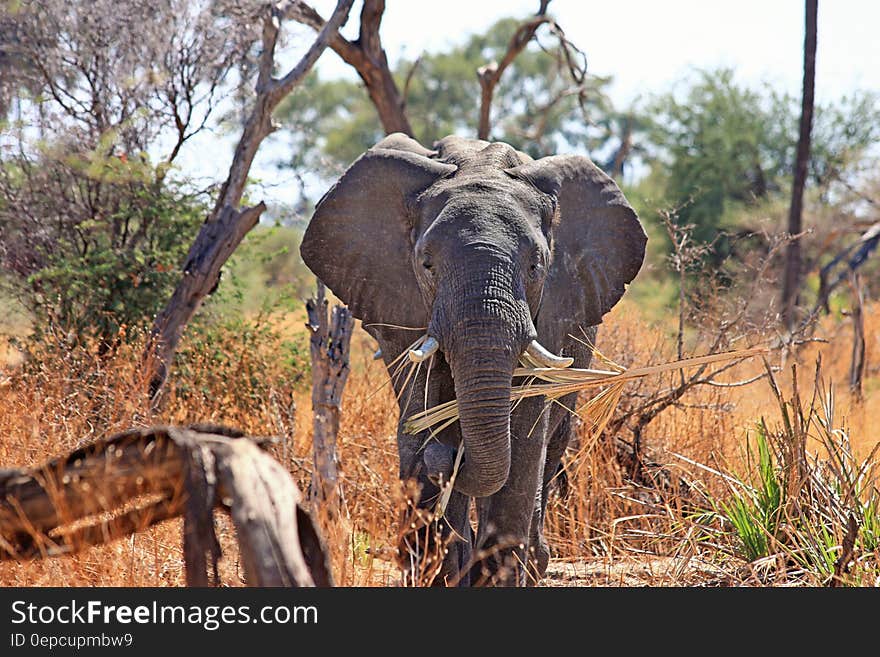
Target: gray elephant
x=491, y=254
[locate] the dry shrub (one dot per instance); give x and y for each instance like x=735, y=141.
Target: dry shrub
x=250, y=378
x=609, y=512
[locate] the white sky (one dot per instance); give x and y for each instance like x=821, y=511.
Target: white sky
x=648, y=44
x=645, y=45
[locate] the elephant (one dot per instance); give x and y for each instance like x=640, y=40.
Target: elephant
x=489, y=254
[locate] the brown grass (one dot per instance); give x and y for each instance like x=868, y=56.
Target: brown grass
x=73, y=396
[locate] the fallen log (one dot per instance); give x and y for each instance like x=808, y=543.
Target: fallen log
x=125, y=483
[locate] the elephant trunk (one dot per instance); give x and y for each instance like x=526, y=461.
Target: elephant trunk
x=482, y=387
x=483, y=324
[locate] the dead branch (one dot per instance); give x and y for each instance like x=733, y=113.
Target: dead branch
x=329, y=347
x=227, y=225
x=720, y=317
x=491, y=73
x=857, y=364
x=852, y=257
x=408, y=81
x=123, y=484
x=569, y=57
x=367, y=56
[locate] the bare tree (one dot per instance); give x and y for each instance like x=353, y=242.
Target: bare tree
x=228, y=224
x=570, y=57
x=791, y=282
x=134, y=68
x=367, y=56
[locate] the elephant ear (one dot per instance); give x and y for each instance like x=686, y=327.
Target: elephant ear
x=598, y=242
x=358, y=240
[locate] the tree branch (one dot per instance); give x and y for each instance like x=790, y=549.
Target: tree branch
x=306, y=15
x=227, y=225
x=282, y=87
x=409, y=79
x=271, y=25
x=491, y=73
x=367, y=57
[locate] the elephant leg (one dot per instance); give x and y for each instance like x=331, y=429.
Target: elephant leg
x=559, y=439
x=425, y=461
x=560, y=431
x=505, y=518
x=439, y=463
x=450, y=537
x=456, y=565
x=539, y=551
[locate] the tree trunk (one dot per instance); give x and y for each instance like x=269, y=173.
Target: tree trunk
x=857, y=364
x=329, y=348
x=791, y=283
x=228, y=224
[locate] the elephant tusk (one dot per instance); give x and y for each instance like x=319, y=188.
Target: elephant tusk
x=425, y=350
x=543, y=357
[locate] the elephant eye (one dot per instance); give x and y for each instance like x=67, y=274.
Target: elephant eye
x=537, y=264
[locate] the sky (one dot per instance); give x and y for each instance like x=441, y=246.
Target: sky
x=645, y=45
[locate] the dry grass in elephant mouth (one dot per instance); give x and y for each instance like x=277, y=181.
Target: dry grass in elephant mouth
x=555, y=383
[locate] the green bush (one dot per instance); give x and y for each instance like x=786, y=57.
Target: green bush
x=119, y=268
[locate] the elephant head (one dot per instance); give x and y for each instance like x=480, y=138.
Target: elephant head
x=472, y=240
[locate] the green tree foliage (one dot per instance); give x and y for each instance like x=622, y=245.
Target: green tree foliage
x=97, y=100
x=119, y=270
x=101, y=242
x=537, y=107
x=842, y=134
x=717, y=146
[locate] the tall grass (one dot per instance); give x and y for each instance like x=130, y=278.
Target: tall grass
x=755, y=509
x=797, y=516
x=602, y=527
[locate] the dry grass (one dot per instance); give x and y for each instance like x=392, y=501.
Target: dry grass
x=556, y=383
x=604, y=524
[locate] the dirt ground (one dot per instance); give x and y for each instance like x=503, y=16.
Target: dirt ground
x=633, y=571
